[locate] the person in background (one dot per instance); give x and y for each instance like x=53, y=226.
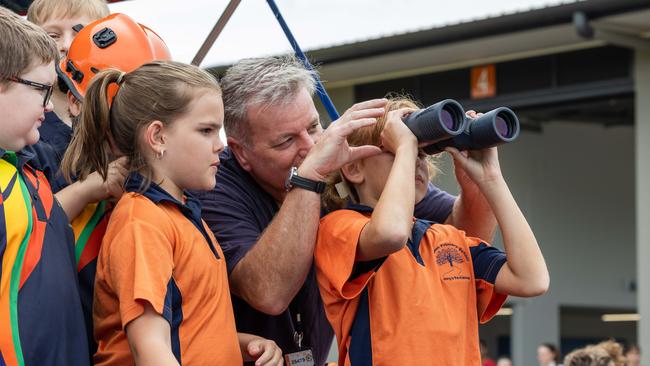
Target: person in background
x=633, y=355
x=485, y=358
x=547, y=355
x=504, y=361
x=615, y=351
x=589, y=356
x=62, y=20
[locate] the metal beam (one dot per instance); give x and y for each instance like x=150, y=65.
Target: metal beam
x=214, y=33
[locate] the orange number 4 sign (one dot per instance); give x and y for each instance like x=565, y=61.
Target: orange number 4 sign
x=484, y=82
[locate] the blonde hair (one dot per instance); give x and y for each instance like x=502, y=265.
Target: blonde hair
x=371, y=135
x=589, y=356
x=40, y=11
x=615, y=351
x=27, y=44
x=157, y=91
x=606, y=353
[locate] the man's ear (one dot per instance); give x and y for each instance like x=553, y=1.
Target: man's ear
x=154, y=138
x=353, y=172
x=242, y=154
x=74, y=105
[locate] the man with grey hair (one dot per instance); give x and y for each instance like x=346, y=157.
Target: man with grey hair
x=266, y=207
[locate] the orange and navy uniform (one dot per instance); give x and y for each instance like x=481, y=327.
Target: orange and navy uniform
x=418, y=306
x=157, y=250
x=41, y=320
x=89, y=228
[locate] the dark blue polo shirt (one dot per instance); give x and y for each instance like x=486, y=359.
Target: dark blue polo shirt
x=42, y=321
x=56, y=133
x=57, y=136
x=238, y=210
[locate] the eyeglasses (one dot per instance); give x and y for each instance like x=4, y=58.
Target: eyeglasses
x=42, y=87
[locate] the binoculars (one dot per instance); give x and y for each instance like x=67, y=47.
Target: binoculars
x=444, y=124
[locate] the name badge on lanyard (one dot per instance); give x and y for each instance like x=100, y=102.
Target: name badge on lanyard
x=304, y=357
x=300, y=358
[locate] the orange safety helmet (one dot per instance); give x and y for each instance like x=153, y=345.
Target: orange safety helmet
x=116, y=41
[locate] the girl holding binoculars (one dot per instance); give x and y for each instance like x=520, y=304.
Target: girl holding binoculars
x=391, y=282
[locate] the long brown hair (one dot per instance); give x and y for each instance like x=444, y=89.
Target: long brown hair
x=371, y=135
x=157, y=91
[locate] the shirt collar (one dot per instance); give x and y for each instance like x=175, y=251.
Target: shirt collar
x=359, y=208
x=191, y=208
x=22, y=157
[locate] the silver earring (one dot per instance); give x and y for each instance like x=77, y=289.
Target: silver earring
x=161, y=153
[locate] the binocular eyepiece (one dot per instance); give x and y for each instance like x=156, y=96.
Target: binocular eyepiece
x=444, y=124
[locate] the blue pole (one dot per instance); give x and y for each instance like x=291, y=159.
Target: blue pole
x=322, y=94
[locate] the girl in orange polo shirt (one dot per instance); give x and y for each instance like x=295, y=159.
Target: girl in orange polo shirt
x=161, y=289
x=403, y=291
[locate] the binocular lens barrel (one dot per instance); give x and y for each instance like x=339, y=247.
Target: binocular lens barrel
x=506, y=125
x=438, y=122
x=447, y=118
x=494, y=128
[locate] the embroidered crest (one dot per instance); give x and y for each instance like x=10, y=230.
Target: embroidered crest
x=454, y=256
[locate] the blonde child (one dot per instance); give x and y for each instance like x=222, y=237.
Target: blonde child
x=161, y=289
x=398, y=290
x=62, y=19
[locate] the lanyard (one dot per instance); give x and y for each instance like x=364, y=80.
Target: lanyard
x=298, y=334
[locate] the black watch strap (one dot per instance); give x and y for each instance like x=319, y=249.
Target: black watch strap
x=305, y=183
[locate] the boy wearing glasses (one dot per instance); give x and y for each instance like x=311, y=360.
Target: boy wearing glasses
x=41, y=321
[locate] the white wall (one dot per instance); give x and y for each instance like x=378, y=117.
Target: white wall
x=642, y=77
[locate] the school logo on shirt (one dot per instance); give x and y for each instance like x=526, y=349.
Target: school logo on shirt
x=452, y=256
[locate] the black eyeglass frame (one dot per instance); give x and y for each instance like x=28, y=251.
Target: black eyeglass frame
x=48, y=89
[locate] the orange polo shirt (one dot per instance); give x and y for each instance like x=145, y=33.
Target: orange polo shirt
x=157, y=250
x=418, y=306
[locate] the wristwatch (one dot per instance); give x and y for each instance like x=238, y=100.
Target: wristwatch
x=294, y=180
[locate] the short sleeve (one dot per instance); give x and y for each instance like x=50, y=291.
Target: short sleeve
x=140, y=263
x=335, y=253
x=487, y=262
x=436, y=205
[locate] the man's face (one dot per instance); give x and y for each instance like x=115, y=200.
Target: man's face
x=280, y=137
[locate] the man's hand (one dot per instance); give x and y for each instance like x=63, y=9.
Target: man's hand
x=332, y=151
